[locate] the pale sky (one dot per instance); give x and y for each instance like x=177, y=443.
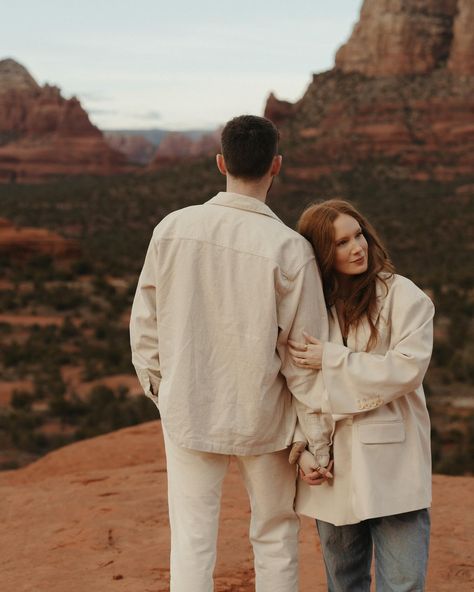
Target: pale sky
x=179, y=64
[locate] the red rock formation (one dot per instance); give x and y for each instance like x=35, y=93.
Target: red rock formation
x=178, y=147
x=42, y=134
x=136, y=148
x=24, y=243
x=461, y=60
x=396, y=97
x=399, y=37
x=104, y=501
x=276, y=110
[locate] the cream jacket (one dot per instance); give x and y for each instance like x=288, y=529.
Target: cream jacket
x=382, y=461
x=223, y=286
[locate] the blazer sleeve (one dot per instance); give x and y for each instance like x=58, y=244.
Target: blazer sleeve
x=143, y=328
x=357, y=382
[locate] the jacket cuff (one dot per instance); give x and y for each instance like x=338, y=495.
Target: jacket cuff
x=150, y=388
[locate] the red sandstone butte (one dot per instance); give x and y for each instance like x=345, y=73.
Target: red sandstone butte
x=461, y=59
x=399, y=37
x=92, y=517
x=45, y=135
x=401, y=96
x=277, y=110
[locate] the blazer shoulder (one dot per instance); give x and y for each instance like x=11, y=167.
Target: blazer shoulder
x=403, y=292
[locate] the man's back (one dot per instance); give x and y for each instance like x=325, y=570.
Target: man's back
x=228, y=277
x=223, y=287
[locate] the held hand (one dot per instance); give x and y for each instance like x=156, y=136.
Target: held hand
x=295, y=452
x=307, y=355
x=319, y=476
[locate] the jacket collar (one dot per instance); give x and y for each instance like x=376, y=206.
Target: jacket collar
x=242, y=202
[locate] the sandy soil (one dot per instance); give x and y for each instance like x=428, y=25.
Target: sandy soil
x=92, y=517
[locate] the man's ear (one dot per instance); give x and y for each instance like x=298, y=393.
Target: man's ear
x=221, y=164
x=276, y=165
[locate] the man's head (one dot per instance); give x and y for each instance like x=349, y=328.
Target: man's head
x=249, y=148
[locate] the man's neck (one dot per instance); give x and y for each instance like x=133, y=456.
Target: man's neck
x=257, y=189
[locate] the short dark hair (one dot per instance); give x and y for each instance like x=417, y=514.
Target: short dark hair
x=249, y=144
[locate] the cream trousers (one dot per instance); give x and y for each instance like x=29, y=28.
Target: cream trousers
x=194, y=493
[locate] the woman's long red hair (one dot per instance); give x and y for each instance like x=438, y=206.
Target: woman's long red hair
x=317, y=225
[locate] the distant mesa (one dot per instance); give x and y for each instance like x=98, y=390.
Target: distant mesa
x=44, y=135
x=180, y=146
x=400, y=97
x=135, y=147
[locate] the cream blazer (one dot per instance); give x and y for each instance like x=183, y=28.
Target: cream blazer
x=382, y=460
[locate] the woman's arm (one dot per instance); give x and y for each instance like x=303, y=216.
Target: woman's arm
x=357, y=382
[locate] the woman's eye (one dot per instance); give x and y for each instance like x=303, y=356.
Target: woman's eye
x=341, y=243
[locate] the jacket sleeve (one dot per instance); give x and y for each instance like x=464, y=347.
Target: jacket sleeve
x=357, y=382
x=143, y=328
x=302, y=308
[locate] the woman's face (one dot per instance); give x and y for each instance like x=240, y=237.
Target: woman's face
x=351, y=247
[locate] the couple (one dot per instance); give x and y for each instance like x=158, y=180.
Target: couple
x=250, y=351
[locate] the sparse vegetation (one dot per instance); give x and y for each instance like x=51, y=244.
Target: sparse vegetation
x=88, y=299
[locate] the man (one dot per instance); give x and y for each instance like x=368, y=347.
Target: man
x=223, y=287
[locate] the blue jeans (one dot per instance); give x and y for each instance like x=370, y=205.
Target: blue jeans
x=400, y=543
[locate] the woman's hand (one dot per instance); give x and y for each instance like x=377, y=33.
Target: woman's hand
x=318, y=476
x=307, y=355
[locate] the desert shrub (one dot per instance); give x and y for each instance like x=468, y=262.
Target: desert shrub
x=21, y=400
x=109, y=410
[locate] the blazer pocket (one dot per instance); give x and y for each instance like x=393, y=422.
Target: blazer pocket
x=384, y=432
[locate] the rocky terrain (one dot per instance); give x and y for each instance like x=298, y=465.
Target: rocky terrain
x=400, y=97
x=44, y=135
x=92, y=517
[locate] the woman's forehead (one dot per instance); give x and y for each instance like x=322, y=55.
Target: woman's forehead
x=345, y=225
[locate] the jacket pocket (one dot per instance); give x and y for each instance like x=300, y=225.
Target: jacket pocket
x=384, y=432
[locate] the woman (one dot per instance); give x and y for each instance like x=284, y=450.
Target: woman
x=372, y=368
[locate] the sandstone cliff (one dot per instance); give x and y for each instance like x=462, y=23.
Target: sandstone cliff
x=277, y=110
x=44, y=135
x=399, y=37
x=93, y=517
x=461, y=59
x=401, y=95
